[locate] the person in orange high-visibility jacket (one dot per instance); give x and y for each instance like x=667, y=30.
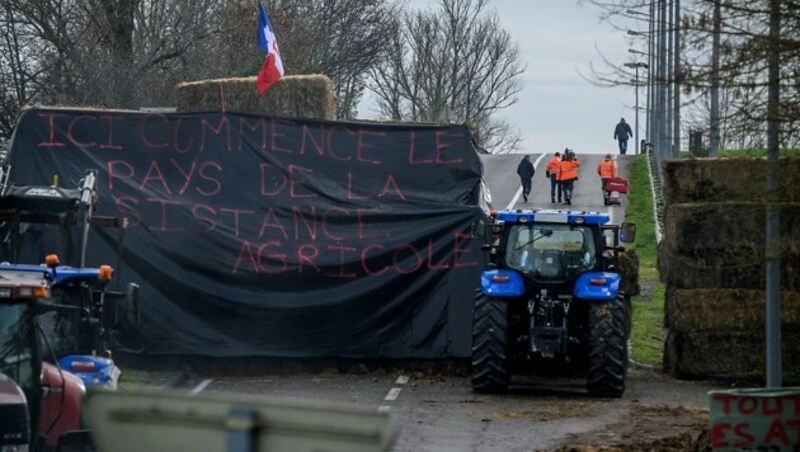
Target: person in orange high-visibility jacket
x=551, y=171
x=606, y=169
x=568, y=174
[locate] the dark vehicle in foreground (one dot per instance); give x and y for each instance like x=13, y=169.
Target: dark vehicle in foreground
x=39, y=402
x=551, y=301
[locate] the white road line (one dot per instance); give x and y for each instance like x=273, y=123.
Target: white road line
x=393, y=393
x=203, y=384
x=384, y=408
x=519, y=191
x=401, y=380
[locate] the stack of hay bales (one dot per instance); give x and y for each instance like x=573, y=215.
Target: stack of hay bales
x=296, y=96
x=712, y=260
x=628, y=267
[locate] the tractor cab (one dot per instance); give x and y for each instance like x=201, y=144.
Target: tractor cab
x=41, y=402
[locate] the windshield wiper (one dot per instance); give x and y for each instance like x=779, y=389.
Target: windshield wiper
x=545, y=233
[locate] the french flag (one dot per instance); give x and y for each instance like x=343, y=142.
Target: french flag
x=272, y=69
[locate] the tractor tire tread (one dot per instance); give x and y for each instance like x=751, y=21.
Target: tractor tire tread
x=608, y=348
x=489, y=372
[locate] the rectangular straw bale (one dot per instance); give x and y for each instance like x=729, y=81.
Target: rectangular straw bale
x=734, y=354
x=727, y=179
x=696, y=310
x=628, y=267
x=296, y=96
x=724, y=269
x=738, y=226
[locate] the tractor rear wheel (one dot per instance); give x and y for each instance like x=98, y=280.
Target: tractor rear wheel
x=489, y=344
x=608, y=348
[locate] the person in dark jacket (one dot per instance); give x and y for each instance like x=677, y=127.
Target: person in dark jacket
x=525, y=171
x=621, y=133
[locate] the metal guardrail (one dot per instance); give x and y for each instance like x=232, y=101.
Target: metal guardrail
x=655, y=190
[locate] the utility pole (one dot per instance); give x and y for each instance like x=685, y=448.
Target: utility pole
x=636, y=65
x=662, y=84
x=773, y=267
x=669, y=149
x=713, y=139
x=676, y=68
x=651, y=87
x=651, y=63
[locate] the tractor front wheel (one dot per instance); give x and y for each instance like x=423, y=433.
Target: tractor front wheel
x=608, y=348
x=489, y=345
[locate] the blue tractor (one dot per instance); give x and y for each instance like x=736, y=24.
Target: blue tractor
x=86, y=304
x=551, y=299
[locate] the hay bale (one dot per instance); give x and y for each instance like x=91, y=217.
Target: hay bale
x=628, y=267
x=721, y=271
x=722, y=245
x=689, y=227
x=698, y=310
x=297, y=96
x=735, y=354
x=728, y=179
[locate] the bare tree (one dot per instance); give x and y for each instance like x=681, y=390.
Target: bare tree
x=742, y=70
x=454, y=64
x=342, y=39
x=130, y=53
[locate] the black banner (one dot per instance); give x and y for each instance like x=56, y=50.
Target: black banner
x=254, y=235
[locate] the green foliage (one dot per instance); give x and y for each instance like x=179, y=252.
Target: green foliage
x=640, y=212
x=647, y=333
x=757, y=153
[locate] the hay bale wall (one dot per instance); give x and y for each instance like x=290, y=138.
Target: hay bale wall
x=712, y=260
x=694, y=272
x=723, y=225
x=297, y=96
x=701, y=310
x=733, y=354
x=727, y=180
x=721, y=245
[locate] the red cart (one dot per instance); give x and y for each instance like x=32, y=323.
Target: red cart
x=613, y=188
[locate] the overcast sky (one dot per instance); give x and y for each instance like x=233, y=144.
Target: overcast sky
x=558, y=107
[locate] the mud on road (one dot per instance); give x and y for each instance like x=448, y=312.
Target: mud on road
x=440, y=412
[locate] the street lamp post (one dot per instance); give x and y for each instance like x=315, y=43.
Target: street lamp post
x=636, y=65
x=650, y=54
x=648, y=105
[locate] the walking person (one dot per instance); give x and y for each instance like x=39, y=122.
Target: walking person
x=551, y=171
x=525, y=171
x=606, y=169
x=568, y=174
x=621, y=133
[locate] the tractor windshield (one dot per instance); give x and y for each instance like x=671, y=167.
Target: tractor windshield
x=17, y=341
x=551, y=252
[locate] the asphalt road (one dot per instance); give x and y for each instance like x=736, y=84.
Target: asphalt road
x=506, y=189
x=435, y=412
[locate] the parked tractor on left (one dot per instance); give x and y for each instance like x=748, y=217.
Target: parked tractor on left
x=39, y=401
x=54, y=318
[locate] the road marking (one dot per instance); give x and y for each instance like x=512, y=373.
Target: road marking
x=393, y=393
x=519, y=191
x=203, y=384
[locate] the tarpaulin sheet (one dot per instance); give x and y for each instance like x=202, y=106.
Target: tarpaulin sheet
x=254, y=235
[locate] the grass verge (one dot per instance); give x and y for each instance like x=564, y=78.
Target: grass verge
x=647, y=333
